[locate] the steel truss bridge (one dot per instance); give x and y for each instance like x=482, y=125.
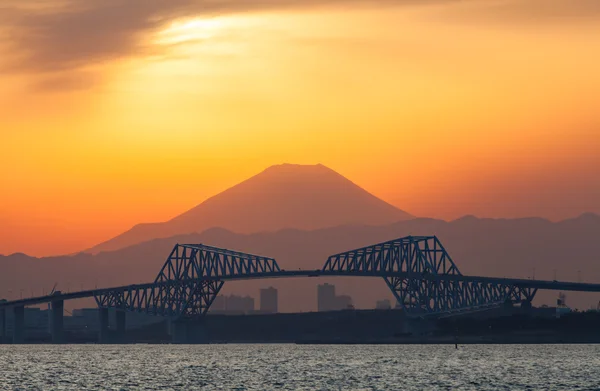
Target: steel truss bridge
x=417, y=269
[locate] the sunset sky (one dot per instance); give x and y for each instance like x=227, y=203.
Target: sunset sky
x=115, y=112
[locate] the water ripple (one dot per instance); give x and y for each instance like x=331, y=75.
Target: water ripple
x=299, y=367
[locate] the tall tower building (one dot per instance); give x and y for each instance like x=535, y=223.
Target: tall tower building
x=268, y=300
x=326, y=300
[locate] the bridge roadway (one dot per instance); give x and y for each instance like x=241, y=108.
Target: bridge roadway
x=522, y=283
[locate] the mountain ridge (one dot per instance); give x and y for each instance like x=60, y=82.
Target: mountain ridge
x=584, y=217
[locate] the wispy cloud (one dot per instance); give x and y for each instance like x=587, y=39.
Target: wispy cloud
x=68, y=35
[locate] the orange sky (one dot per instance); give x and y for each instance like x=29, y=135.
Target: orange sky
x=114, y=113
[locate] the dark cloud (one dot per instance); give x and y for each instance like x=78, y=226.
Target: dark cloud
x=88, y=32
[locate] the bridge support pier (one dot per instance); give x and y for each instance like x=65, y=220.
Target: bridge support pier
x=2, y=325
x=103, y=331
x=19, y=324
x=57, y=321
x=121, y=324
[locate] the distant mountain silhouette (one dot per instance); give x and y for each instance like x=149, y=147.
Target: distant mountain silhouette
x=283, y=196
x=490, y=247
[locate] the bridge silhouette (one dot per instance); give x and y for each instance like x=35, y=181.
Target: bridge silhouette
x=417, y=269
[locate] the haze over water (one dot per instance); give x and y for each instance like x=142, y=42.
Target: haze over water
x=300, y=367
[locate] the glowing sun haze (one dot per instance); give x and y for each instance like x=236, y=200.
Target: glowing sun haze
x=119, y=112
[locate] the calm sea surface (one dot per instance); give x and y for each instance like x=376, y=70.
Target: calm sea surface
x=300, y=367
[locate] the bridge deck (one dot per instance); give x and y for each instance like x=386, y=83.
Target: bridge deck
x=523, y=283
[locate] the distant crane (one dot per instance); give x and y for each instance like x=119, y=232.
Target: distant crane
x=51, y=293
x=562, y=300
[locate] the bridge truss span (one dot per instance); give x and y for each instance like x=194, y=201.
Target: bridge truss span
x=408, y=266
x=411, y=254
x=189, y=281
x=199, y=261
x=174, y=299
x=431, y=296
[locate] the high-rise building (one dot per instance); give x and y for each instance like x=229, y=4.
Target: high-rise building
x=343, y=302
x=268, y=300
x=233, y=305
x=238, y=304
x=328, y=301
x=326, y=297
x=383, y=304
